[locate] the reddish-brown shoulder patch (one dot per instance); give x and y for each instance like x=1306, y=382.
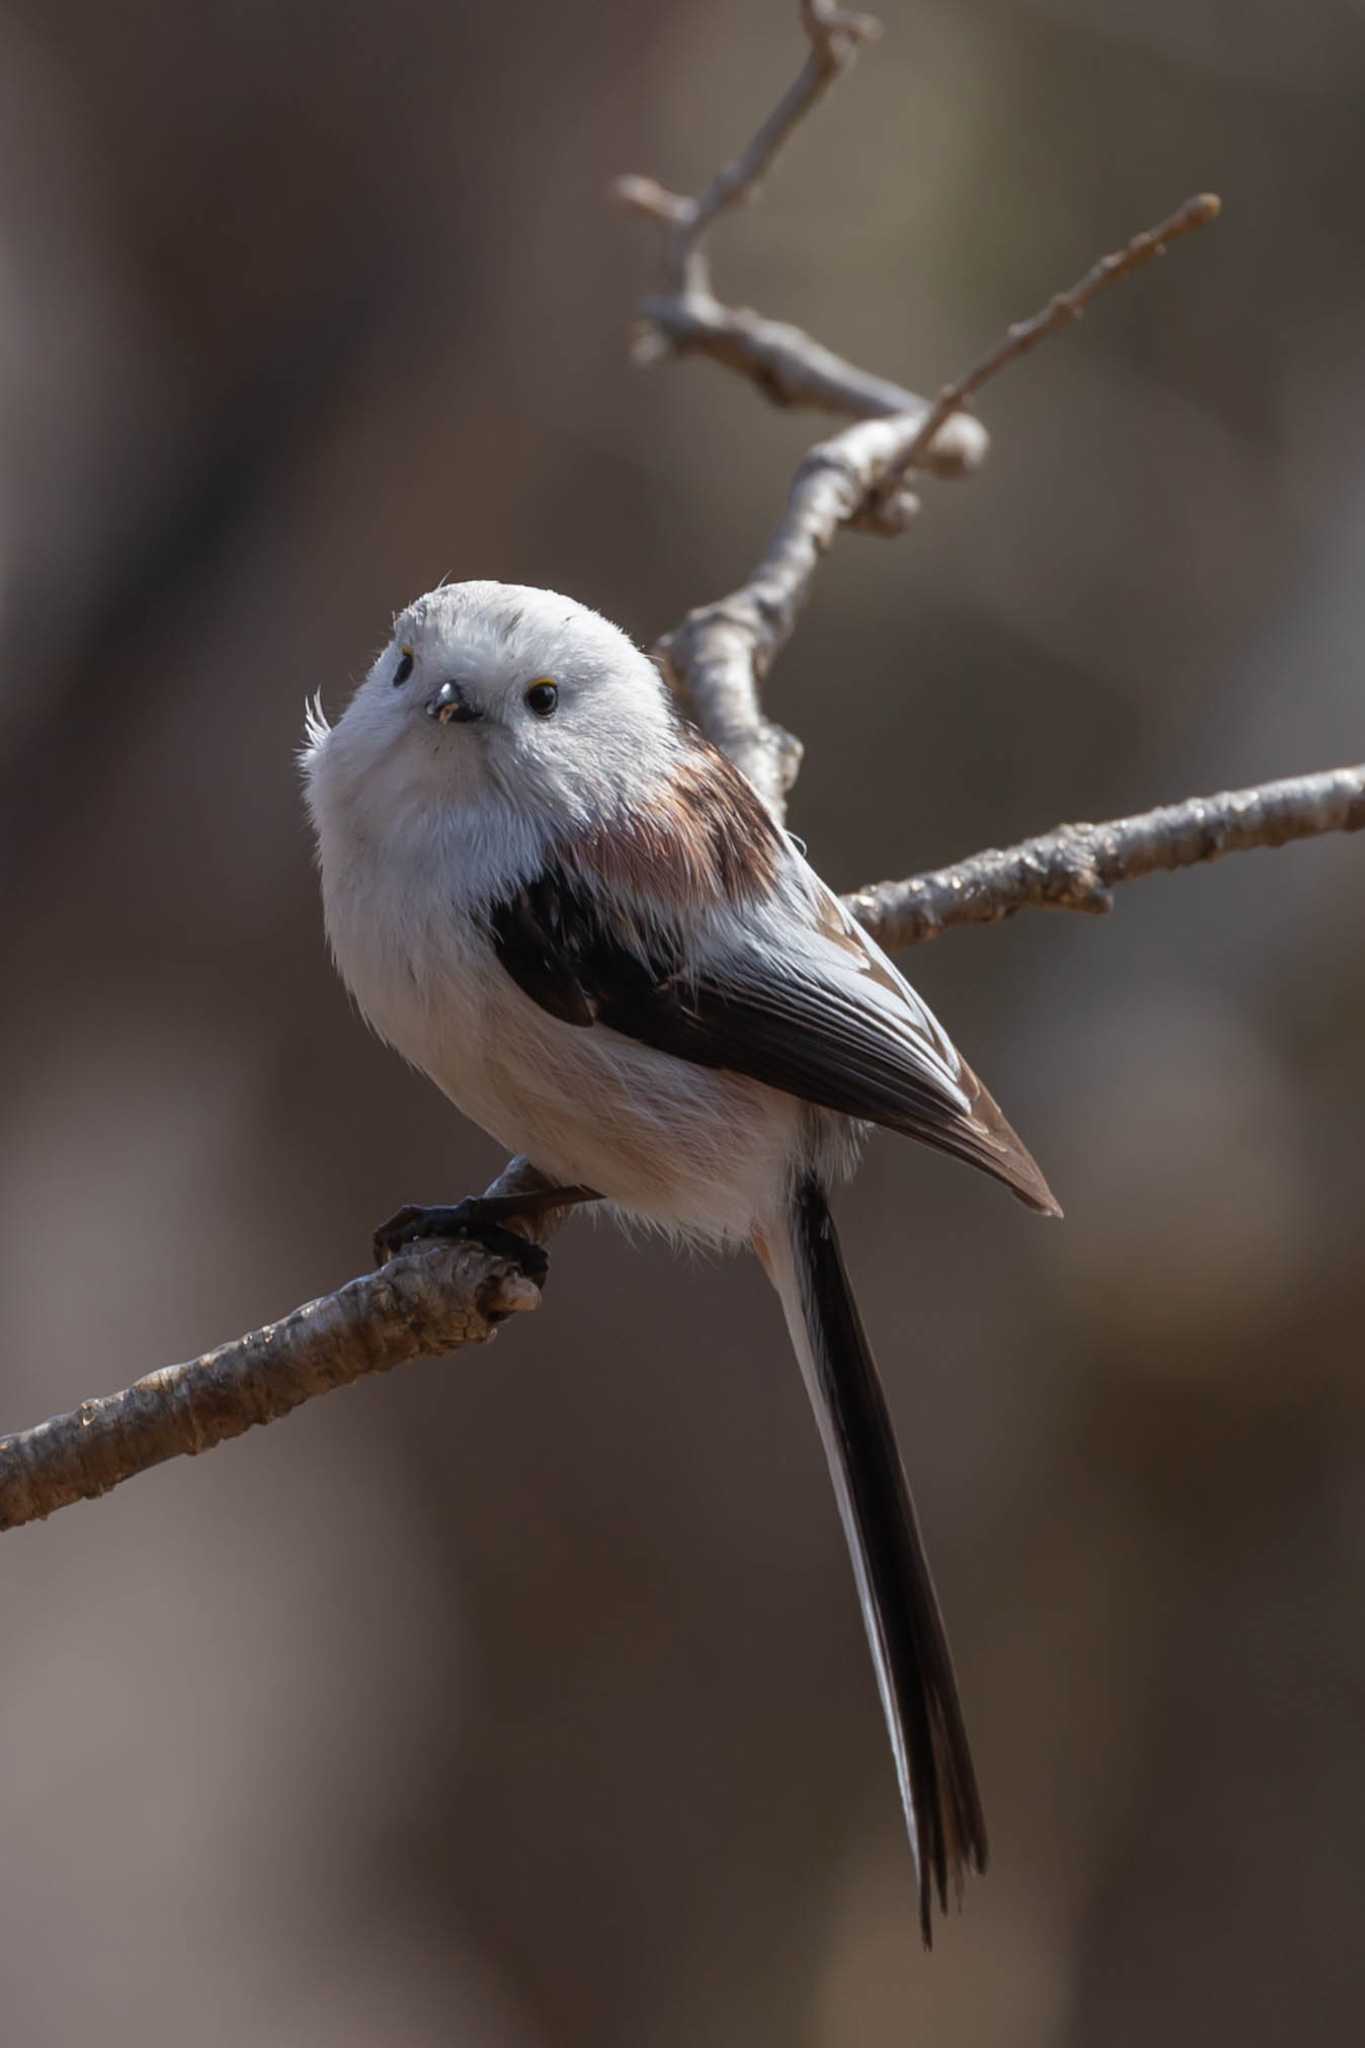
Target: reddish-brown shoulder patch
x=704, y=840
x=744, y=845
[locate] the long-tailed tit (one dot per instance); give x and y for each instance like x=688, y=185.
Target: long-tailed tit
x=572, y=913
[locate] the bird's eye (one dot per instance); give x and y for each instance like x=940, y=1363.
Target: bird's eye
x=542, y=697
x=404, y=668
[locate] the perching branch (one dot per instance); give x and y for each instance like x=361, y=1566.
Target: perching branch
x=429, y=1300
x=420, y=1304
x=434, y=1299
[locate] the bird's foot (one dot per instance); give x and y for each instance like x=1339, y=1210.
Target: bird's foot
x=478, y=1220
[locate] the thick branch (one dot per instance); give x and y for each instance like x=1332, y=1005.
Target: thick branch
x=429, y=1300
x=421, y=1304
x=719, y=655
x=1076, y=867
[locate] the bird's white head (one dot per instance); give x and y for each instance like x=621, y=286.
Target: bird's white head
x=494, y=694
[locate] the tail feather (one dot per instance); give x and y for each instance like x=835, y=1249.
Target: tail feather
x=900, y=1609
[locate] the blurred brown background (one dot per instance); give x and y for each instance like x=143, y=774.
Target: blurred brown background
x=522, y=1701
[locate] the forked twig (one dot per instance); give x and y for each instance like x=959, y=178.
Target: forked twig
x=788, y=366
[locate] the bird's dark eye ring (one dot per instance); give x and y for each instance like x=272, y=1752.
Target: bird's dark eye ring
x=404, y=668
x=542, y=697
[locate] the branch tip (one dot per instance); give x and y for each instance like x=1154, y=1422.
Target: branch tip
x=826, y=27
x=1061, y=310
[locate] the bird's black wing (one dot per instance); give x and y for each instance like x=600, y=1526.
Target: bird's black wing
x=831, y=1023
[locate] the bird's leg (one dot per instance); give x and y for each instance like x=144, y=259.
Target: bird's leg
x=482, y=1219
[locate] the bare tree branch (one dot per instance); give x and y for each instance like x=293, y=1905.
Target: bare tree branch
x=1075, y=867
x=835, y=36
x=718, y=657
x=430, y=1300
x=799, y=373
x=420, y=1304
x=436, y=1299
x=788, y=367
x=1059, y=312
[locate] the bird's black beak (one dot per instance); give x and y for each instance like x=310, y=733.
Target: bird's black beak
x=453, y=704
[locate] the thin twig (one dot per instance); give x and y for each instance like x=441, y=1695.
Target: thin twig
x=1059, y=312
x=835, y=37
x=787, y=365
x=718, y=657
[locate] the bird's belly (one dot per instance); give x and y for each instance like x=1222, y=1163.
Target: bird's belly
x=683, y=1146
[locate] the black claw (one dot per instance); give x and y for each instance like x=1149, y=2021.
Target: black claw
x=475, y=1220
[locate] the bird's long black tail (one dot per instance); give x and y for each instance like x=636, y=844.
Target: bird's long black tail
x=900, y=1609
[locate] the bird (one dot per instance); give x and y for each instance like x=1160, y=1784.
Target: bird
x=551, y=894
